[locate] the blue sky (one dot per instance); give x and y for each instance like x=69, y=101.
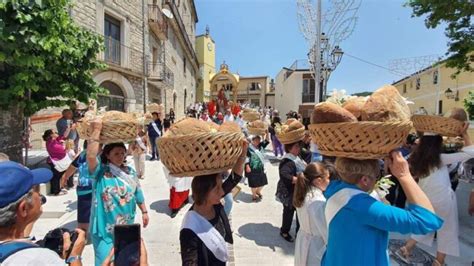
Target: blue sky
x=260, y=37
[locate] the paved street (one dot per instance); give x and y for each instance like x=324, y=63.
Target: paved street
x=255, y=225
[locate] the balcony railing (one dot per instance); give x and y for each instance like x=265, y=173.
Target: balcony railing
x=118, y=54
x=182, y=28
x=160, y=72
x=308, y=98
x=157, y=22
x=113, y=50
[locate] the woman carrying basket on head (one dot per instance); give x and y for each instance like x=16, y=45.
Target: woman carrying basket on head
x=116, y=192
x=206, y=231
x=255, y=166
x=429, y=165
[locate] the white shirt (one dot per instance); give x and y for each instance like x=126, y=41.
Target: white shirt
x=34, y=257
x=228, y=118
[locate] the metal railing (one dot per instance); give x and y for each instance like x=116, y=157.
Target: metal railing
x=112, y=51
x=182, y=28
x=158, y=23
x=160, y=72
x=300, y=65
x=308, y=98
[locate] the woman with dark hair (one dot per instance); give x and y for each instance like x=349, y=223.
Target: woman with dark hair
x=206, y=228
x=58, y=160
x=116, y=192
x=277, y=146
x=429, y=165
x=255, y=166
x=309, y=202
x=290, y=166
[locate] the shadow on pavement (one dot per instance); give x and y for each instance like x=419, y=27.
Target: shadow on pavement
x=70, y=225
x=243, y=197
x=266, y=235
x=160, y=206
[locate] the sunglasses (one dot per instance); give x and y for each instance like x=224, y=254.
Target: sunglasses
x=36, y=188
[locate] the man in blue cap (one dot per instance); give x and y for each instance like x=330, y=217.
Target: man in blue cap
x=20, y=205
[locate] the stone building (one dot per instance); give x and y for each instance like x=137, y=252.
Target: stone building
x=149, y=52
x=150, y=55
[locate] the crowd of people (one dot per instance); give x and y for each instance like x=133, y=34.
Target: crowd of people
x=336, y=209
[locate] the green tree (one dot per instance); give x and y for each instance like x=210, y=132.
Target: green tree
x=459, y=29
x=469, y=105
x=42, y=52
x=363, y=94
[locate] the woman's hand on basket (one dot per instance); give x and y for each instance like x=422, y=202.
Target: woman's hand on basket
x=398, y=165
x=96, y=124
x=465, y=135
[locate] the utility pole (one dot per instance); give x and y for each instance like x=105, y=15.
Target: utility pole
x=317, y=55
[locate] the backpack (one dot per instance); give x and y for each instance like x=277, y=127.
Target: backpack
x=11, y=247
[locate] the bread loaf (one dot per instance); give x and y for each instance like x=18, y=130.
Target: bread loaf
x=458, y=114
x=355, y=106
x=295, y=125
x=290, y=120
x=189, y=126
x=230, y=127
x=327, y=112
x=386, y=105
x=112, y=116
x=258, y=124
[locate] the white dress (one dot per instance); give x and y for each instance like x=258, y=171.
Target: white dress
x=437, y=187
x=312, y=235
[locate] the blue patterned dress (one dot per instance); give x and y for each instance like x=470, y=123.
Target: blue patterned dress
x=113, y=203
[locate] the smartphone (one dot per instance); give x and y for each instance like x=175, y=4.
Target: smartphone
x=127, y=241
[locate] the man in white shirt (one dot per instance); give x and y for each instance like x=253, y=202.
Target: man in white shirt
x=229, y=117
x=20, y=205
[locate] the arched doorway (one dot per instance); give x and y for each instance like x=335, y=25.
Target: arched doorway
x=115, y=100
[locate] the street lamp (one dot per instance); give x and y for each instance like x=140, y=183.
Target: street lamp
x=449, y=93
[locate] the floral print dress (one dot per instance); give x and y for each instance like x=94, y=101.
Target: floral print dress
x=114, y=202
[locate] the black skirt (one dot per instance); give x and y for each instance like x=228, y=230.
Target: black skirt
x=257, y=179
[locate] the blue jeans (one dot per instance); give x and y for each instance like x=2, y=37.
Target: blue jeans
x=228, y=202
x=154, y=148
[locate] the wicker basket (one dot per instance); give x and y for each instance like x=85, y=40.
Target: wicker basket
x=256, y=131
x=292, y=136
x=437, y=124
x=359, y=140
x=250, y=116
x=200, y=153
x=117, y=131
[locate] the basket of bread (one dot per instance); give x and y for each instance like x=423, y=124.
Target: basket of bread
x=451, y=126
x=155, y=108
x=363, y=128
x=257, y=127
x=292, y=131
x=192, y=147
x=250, y=115
x=116, y=126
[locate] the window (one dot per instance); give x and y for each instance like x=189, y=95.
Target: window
x=418, y=83
x=440, y=107
x=112, y=39
x=309, y=92
x=255, y=86
x=115, y=100
x=405, y=88
x=184, y=66
x=255, y=102
x=435, y=77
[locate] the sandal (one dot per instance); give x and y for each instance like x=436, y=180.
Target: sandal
x=437, y=263
x=287, y=237
x=260, y=195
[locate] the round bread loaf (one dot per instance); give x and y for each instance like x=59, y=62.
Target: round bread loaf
x=458, y=114
x=355, y=106
x=295, y=125
x=258, y=124
x=290, y=120
x=386, y=105
x=230, y=127
x=189, y=126
x=327, y=112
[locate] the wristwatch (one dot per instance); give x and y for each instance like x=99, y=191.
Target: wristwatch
x=73, y=259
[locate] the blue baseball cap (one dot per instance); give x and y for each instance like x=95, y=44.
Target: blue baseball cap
x=16, y=180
